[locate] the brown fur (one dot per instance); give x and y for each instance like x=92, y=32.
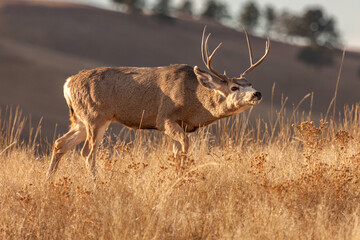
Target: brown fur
x=72, y=118
x=174, y=99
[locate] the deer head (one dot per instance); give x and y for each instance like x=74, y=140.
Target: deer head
x=238, y=91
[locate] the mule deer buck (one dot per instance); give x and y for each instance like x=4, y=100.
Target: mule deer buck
x=174, y=99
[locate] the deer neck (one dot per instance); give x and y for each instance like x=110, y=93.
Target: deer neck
x=215, y=103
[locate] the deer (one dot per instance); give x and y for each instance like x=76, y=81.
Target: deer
x=174, y=99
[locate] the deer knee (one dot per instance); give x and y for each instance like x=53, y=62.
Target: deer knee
x=59, y=145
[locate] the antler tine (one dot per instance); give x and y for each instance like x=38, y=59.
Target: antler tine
x=202, y=46
x=252, y=65
x=213, y=54
x=249, y=47
x=207, y=57
x=207, y=48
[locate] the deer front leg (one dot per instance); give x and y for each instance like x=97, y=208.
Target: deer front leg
x=174, y=130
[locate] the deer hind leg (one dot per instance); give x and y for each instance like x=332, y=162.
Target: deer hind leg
x=73, y=137
x=174, y=130
x=95, y=133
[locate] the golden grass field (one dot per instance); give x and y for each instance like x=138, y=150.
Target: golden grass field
x=251, y=180
x=285, y=175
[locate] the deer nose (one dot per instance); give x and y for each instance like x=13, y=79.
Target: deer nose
x=257, y=95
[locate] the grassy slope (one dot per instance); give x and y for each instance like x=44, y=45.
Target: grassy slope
x=242, y=183
x=300, y=184
x=41, y=45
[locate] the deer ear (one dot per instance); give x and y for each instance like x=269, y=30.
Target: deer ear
x=206, y=79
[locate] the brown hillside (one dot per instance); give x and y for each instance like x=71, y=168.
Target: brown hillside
x=42, y=44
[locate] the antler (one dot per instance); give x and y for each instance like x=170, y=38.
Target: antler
x=252, y=65
x=207, y=57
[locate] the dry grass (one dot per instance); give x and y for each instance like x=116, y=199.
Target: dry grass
x=298, y=181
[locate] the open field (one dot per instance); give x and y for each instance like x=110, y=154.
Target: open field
x=41, y=45
x=267, y=180
x=268, y=173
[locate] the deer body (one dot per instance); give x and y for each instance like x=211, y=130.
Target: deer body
x=144, y=97
x=174, y=99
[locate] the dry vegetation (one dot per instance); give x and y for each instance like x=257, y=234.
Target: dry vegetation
x=264, y=180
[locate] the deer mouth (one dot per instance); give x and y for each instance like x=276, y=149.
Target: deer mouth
x=255, y=98
x=254, y=101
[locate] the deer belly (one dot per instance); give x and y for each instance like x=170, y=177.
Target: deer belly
x=135, y=122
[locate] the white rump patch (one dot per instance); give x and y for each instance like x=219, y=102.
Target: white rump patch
x=67, y=94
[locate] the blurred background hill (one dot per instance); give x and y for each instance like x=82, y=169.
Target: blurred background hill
x=43, y=43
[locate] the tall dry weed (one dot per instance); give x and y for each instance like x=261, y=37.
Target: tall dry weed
x=295, y=179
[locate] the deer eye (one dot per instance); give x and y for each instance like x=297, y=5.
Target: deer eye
x=234, y=89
